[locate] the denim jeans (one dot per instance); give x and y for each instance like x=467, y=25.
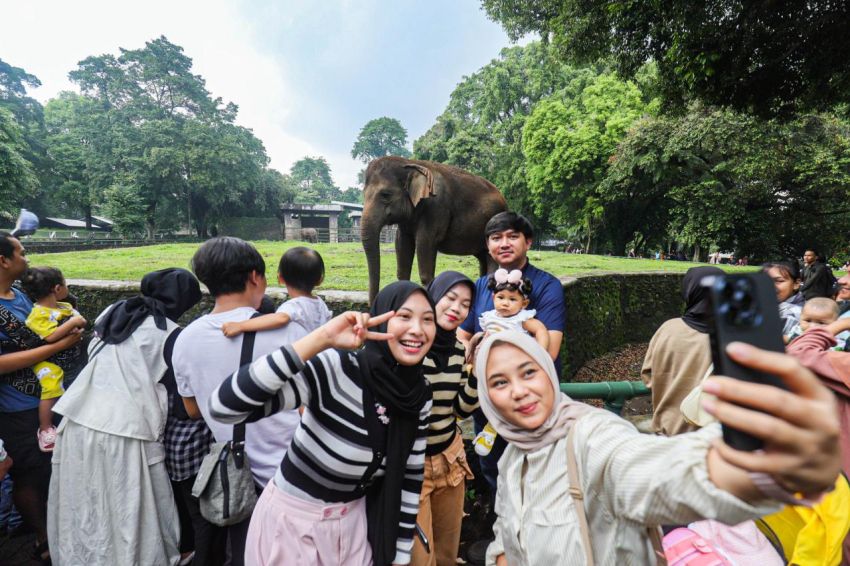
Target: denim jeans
x=9, y=517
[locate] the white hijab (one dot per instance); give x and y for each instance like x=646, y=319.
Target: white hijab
x=564, y=411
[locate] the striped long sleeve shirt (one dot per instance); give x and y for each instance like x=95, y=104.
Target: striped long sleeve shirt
x=332, y=457
x=455, y=395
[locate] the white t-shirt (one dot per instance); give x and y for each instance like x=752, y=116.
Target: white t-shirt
x=204, y=357
x=311, y=313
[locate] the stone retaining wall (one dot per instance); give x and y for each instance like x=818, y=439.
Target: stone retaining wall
x=603, y=311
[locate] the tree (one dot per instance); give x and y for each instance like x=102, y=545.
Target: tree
x=717, y=178
x=26, y=112
x=481, y=128
x=312, y=177
x=17, y=177
x=150, y=125
x=78, y=143
x=380, y=137
x=771, y=58
x=567, y=143
x=126, y=209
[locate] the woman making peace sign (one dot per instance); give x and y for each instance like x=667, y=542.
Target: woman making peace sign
x=347, y=491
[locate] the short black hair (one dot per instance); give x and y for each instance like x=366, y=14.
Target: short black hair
x=301, y=268
x=787, y=267
x=38, y=282
x=509, y=221
x=224, y=264
x=7, y=248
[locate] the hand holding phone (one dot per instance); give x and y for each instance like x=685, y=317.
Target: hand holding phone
x=744, y=309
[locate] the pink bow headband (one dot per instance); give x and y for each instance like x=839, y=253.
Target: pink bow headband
x=503, y=276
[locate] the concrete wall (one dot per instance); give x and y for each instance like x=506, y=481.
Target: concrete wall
x=603, y=311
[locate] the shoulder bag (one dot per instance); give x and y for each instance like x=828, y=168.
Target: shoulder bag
x=577, y=494
x=225, y=486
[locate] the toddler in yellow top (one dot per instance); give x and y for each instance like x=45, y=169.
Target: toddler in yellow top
x=52, y=320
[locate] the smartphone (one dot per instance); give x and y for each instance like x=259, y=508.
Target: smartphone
x=744, y=309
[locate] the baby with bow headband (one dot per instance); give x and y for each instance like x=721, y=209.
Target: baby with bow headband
x=511, y=292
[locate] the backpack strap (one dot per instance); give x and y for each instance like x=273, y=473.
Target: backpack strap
x=245, y=358
x=577, y=494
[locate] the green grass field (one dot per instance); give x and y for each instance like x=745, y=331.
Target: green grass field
x=345, y=264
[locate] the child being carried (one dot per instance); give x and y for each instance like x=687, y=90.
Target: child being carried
x=816, y=313
x=52, y=319
x=300, y=270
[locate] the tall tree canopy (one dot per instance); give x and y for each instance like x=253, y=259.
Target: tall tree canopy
x=145, y=124
x=766, y=57
x=380, y=137
x=311, y=177
x=481, y=128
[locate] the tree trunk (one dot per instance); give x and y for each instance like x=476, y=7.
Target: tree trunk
x=88, y=216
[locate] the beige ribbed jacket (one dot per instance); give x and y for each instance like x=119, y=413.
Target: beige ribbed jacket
x=675, y=363
x=630, y=480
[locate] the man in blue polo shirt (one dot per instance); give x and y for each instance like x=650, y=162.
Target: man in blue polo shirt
x=509, y=237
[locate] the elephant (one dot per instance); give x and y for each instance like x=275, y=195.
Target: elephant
x=310, y=235
x=437, y=207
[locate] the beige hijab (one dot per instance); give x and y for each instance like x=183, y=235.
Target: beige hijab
x=564, y=412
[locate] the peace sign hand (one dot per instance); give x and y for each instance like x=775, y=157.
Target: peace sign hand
x=350, y=330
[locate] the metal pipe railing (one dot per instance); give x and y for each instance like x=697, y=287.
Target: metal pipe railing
x=614, y=394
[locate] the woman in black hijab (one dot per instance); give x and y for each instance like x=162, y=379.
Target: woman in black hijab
x=455, y=396
x=110, y=496
x=348, y=488
x=679, y=355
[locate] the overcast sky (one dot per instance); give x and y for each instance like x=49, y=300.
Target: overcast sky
x=306, y=75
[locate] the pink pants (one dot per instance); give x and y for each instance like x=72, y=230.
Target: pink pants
x=287, y=530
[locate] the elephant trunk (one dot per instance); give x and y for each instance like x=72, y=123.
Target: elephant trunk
x=370, y=236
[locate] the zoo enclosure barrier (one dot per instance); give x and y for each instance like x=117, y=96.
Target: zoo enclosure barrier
x=613, y=394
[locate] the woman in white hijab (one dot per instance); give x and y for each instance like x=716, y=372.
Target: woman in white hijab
x=630, y=483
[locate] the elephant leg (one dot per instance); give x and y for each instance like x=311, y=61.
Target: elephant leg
x=405, y=247
x=426, y=257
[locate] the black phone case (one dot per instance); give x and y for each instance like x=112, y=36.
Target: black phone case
x=744, y=309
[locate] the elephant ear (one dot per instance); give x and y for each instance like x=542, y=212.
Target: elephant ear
x=420, y=183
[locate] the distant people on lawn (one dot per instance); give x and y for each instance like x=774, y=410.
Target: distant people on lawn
x=817, y=276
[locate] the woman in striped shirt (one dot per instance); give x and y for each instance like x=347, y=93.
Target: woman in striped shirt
x=578, y=483
x=354, y=469
x=455, y=395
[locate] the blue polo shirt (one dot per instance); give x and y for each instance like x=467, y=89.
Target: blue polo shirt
x=547, y=298
x=12, y=400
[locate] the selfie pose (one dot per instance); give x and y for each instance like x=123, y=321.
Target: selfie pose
x=631, y=482
x=347, y=491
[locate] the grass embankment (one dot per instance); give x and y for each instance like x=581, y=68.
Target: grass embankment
x=345, y=264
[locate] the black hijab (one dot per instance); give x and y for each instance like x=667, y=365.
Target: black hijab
x=697, y=301
x=403, y=391
x=167, y=293
x=445, y=341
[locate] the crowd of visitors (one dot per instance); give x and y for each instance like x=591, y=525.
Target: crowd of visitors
x=346, y=427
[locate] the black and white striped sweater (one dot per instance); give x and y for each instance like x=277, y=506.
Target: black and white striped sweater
x=332, y=457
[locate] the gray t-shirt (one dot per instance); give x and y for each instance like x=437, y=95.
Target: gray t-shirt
x=203, y=357
x=311, y=313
